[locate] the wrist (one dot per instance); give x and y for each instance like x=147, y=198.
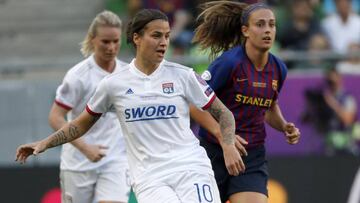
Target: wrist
x=226, y=145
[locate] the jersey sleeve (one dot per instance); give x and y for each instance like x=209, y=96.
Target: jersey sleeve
x=198, y=91
x=217, y=73
x=283, y=74
x=69, y=92
x=100, y=102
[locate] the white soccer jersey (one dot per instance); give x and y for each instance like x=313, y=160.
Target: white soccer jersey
x=78, y=85
x=154, y=115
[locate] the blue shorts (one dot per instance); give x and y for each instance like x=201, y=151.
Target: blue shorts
x=254, y=179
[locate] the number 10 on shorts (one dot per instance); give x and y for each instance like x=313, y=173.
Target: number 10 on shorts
x=204, y=192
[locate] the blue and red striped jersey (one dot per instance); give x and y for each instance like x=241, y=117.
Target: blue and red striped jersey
x=247, y=92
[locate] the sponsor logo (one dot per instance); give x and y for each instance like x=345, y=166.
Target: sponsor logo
x=206, y=75
x=168, y=88
x=241, y=80
x=150, y=113
x=129, y=91
x=255, y=101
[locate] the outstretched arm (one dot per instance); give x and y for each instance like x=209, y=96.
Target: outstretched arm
x=69, y=132
x=57, y=120
x=233, y=161
x=276, y=120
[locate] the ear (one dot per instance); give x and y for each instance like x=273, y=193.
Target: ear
x=245, y=30
x=136, y=39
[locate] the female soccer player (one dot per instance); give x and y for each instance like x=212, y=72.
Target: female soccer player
x=93, y=167
x=151, y=98
x=248, y=79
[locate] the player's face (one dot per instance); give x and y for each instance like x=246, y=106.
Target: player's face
x=106, y=43
x=152, y=45
x=261, y=29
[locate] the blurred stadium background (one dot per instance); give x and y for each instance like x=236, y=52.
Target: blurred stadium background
x=39, y=42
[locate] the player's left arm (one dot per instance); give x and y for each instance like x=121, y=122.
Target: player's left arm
x=276, y=120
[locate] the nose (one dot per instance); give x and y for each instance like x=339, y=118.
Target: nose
x=164, y=41
x=112, y=46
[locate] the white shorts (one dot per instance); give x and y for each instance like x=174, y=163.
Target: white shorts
x=90, y=186
x=180, y=187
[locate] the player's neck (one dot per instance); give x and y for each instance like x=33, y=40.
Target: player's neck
x=257, y=57
x=108, y=66
x=145, y=66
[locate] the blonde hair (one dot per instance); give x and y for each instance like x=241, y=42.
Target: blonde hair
x=105, y=18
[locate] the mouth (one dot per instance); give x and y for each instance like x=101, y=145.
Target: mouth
x=266, y=39
x=110, y=54
x=161, y=52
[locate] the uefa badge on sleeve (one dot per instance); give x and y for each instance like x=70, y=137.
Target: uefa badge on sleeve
x=168, y=88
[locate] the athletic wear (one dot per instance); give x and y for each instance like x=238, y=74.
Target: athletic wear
x=248, y=93
x=154, y=114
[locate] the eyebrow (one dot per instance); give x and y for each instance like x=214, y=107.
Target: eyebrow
x=158, y=32
x=262, y=19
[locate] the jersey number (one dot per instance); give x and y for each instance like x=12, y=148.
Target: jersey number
x=204, y=193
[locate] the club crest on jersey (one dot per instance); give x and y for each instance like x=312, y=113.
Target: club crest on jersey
x=168, y=88
x=274, y=85
x=201, y=81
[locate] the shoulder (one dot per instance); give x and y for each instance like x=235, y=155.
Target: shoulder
x=232, y=55
x=330, y=19
x=280, y=63
x=79, y=70
x=176, y=67
x=121, y=73
x=121, y=63
x=81, y=67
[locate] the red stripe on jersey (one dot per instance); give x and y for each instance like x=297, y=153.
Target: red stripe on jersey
x=209, y=103
x=63, y=105
x=92, y=112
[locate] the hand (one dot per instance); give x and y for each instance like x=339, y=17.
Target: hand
x=233, y=160
x=239, y=144
x=95, y=152
x=24, y=151
x=292, y=133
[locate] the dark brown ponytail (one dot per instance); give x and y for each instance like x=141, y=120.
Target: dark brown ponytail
x=219, y=26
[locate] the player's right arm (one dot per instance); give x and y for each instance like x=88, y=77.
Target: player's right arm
x=57, y=119
x=233, y=160
x=69, y=132
x=205, y=120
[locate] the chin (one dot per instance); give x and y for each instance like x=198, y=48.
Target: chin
x=265, y=48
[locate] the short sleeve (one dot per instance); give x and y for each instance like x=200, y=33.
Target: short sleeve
x=100, y=102
x=283, y=74
x=69, y=92
x=217, y=73
x=198, y=91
